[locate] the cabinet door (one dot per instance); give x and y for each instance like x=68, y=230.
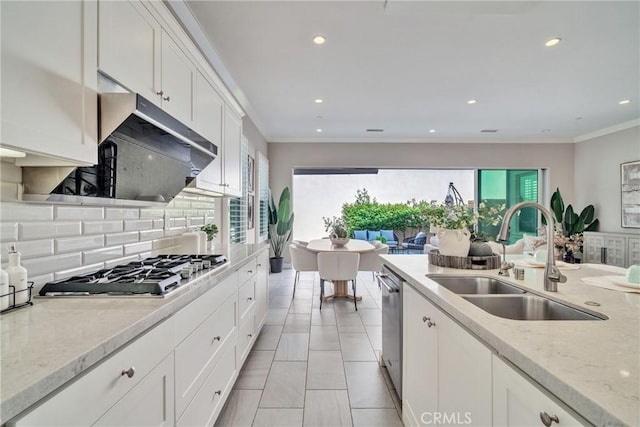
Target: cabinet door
x=208, y=112
x=150, y=403
x=615, y=250
x=517, y=402
x=262, y=290
x=178, y=74
x=464, y=376
x=633, y=251
x=49, y=81
x=129, y=46
x=420, y=359
x=232, y=153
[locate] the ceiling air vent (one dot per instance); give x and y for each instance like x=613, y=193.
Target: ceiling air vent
x=375, y=130
x=489, y=130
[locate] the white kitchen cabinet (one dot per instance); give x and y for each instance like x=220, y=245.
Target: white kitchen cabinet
x=518, y=402
x=610, y=248
x=262, y=290
x=110, y=382
x=633, y=251
x=446, y=371
x=129, y=46
x=149, y=403
x=232, y=153
x=178, y=75
x=49, y=81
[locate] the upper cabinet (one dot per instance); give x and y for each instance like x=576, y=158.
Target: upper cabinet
x=49, y=81
x=129, y=39
x=178, y=75
x=232, y=152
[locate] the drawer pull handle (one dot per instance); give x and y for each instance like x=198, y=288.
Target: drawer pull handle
x=160, y=93
x=428, y=321
x=215, y=339
x=259, y=265
x=547, y=419
x=250, y=335
x=425, y=318
x=166, y=98
x=218, y=392
x=250, y=271
x=250, y=299
x=128, y=372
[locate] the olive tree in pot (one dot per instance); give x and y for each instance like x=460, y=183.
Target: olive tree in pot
x=280, y=226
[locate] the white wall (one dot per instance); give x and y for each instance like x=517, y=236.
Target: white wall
x=597, y=175
x=558, y=158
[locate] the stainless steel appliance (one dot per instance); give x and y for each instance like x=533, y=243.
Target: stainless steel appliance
x=145, y=157
x=391, y=286
x=155, y=276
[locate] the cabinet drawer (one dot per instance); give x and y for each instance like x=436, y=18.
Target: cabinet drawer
x=103, y=386
x=195, y=313
x=200, y=351
x=149, y=403
x=247, y=270
x=246, y=297
x=208, y=402
x=246, y=337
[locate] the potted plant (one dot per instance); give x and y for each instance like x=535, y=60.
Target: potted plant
x=212, y=231
x=280, y=227
x=337, y=228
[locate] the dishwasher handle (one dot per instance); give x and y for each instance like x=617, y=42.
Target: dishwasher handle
x=391, y=289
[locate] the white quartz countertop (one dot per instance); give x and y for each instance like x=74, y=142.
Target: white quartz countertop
x=592, y=366
x=48, y=344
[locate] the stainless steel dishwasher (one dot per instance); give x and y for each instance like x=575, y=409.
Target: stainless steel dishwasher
x=391, y=286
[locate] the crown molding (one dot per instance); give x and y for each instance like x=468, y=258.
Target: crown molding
x=607, y=131
x=378, y=140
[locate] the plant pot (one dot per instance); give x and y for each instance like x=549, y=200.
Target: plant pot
x=454, y=242
x=275, y=264
x=210, y=246
x=480, y=248
x=338, y=241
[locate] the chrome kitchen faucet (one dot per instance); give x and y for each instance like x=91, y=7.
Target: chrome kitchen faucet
x=552, y=274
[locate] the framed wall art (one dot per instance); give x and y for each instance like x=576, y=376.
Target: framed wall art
x=250, y=174
x=630, y=198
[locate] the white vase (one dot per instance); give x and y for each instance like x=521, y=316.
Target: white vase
x=338, y=241
x=210, y=246
x=454, y=242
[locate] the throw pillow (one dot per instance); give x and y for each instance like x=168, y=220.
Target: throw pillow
x=360, y=234
x=373, y=234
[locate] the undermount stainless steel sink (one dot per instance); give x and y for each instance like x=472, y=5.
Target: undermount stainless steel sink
x=529, y=307
x=468, y=285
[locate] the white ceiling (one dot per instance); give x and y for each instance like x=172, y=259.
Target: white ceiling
x=411, y=66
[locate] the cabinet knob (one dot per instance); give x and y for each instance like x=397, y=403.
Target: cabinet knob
x=166, y=98
x=160, y=93
x=250, y=335
x=259, y=265
x=547, y=419
x=250, y=271
x=217, y=392
x=215, y=339
x=428, y=321
x=250, y=299
x=425, y=319
x=128, y=372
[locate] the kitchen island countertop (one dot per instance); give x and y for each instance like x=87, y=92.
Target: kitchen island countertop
x=58, y=338
x=592, y=366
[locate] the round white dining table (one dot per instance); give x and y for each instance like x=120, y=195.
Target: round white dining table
x=353, y=245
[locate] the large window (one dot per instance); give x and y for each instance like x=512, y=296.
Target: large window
x=510, y=186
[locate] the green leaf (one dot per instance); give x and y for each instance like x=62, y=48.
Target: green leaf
x=570, y=220
x=587, y=215
x=557, y=205
x=593, y=226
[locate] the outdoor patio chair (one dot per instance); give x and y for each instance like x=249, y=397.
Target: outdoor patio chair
x=415, y=242
x=392, y=238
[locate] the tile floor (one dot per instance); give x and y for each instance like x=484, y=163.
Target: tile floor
x=315, y=368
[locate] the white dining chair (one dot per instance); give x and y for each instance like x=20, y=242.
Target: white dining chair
x=300, y=243
x=371, y=261
x=334, y=266
x=302, y=259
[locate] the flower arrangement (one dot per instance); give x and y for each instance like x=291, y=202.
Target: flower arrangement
x=336, y=225
x=572, y=243
x=459, y=217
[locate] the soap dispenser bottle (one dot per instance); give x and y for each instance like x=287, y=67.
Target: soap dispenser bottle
x=4, y=290
x=17, y=276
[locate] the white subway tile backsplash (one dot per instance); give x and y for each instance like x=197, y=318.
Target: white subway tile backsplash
x=169, y=250
x=151, y=213
x=197, y=220
x=135, y=248
x=35, y=230
x=164, y=243
x=151, y=235
x=121, y=213
x=38, y=281
x=71, y=244
x=79, y=212
x=81, y=270
x=118, y=261
x=103, y=254
x=173, y=213
x=121, y=238
x=181, y=204
x=30, y=249
x=177, y=222
x=158, y=223
x=139, y=224
x=177, y=231
x=8, y=231
x=102, y=227
x=25, y=212
x=9, y=191
x=143, y=255
x=39, y=266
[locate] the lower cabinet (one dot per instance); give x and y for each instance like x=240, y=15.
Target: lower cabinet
x=178, y=373
x=517, y=402
x=446, y=371
x=262, y=290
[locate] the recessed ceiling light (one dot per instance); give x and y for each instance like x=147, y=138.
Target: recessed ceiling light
x=318, y=101
x=624, y=101
x=318, y=117
x=318, y=130
x=578, y=118
x=472, y=101
x=432, y=130
x=545, y=130
x=552, y=42
x=319, y=39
